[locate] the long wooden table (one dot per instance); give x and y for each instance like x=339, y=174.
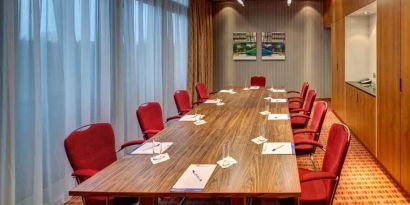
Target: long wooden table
x=235, y=123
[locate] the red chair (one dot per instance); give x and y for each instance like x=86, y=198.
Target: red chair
x=301, y=116
x=319, y=188
x=90, y=149
x=202, y=93
x=311, y=133
x=258, y=81
x=297, y=101
x=182, y=102
x=149, y=116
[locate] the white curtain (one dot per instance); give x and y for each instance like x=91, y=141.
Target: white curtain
x=69, y=63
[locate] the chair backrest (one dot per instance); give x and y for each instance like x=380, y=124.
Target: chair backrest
x=150, y=117
x=182, y=101
x=91, y=147
x=258, y=81
x=201, y=91
x=304, y=90
x=336, y=151
x=318, y=117
x=310, y=100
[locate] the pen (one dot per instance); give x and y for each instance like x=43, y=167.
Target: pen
x=197, y=176
x=274, y=149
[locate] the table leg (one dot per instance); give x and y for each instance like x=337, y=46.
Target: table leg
x=148, y=201
x=238, y=201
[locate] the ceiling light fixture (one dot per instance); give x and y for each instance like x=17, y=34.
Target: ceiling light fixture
x=365, y=13
x=289, y=2
x=241, y=2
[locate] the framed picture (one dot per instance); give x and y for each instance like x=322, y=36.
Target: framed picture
x=244, y=46
x=273, y=46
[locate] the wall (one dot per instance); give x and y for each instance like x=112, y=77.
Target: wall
x=360, y=47
x=307, y=43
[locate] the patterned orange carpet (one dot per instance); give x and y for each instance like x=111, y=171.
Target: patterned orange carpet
x=363, y=179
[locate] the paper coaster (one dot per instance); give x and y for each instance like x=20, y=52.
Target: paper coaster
x=265, y=112
x=220, y=103
x=259, y=140
x=200, y=122
x=160, y=158
x=226, y=162
x=246, y=89
x=268, y=98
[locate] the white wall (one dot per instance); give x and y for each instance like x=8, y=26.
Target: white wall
x=360, y=47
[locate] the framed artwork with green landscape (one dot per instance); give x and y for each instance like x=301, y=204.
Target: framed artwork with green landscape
x=244, y=46
x=273, y=46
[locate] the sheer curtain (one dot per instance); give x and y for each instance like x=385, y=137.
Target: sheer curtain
x=69, y=63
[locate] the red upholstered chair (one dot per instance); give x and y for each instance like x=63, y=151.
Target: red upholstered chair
x=90, y=149
x=202, y=93
x=258, y=81
x=182, y=102
x=300, y=117
x=297, y=101
x=312, y=132
x=319, y=188
x=149, y=116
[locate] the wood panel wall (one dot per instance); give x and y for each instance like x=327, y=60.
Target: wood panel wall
x=388, y=85
x=307, y=43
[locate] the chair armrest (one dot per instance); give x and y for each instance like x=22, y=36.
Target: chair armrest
x=308, y=142
x=304, y=131
x=84, y=173
x=295, y=98
x=296, y=110
x=130, y=143
x=173, y=117
x=293, y=91
x=317, y=176
x=185, y=110
x=147, y=132
x=211, y=93
x=299, y=116
x=197, y=103
x=295, y=101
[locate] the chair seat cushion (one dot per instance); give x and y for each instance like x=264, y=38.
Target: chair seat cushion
x=298, y=122
x=294, y=105
x=313, y=192
x=304, y=149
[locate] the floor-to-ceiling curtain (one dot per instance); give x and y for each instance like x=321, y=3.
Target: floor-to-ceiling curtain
x=200, y=66
x=69, y=63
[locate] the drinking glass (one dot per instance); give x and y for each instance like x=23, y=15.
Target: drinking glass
x=267, y=102
x=157, y=150
x=225, y=154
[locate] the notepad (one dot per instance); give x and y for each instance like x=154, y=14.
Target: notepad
x=277, y=90
x=190, y=118
x=195, y=178
x=227, y=91
x=279, y=100
x=254, y=87
x=149, y=147
x=278, y=117
x=211, y=101
x=278, y=148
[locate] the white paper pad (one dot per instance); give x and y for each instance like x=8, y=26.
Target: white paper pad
x=265, y=112
x=148, y=148
x=227, y=91
x=279, y=148
x=190, y=118
x=160, y=158
x=226, y=162
x=246, y=89
x=277, y=90
x=279, y=100
x=200, y=122
x=254, y=87
x=195, y=178
x=259, y=140
x=211, y=101
x=278, y=117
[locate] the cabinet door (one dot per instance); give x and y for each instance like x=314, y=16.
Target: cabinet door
x=405, y=99
x=388, y=86
x=368, y=122
x=341, y=105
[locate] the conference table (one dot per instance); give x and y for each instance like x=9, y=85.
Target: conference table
x=235, y=124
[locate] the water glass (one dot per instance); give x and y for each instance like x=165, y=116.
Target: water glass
x=225, y=154
x=156, y=150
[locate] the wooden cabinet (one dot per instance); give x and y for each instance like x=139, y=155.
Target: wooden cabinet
x=350, y=6
x=338, y=68
x=388, y=85
x=361, y=116
x=405, y=97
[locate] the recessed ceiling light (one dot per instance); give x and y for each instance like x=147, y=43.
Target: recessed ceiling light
x=366, y=13
x=289, y=2
x=241, y=2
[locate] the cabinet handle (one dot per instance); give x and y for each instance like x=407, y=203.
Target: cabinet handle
x=357, y=97
x=337, y=66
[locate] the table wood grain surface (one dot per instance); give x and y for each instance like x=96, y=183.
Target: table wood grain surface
x=235, y=123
